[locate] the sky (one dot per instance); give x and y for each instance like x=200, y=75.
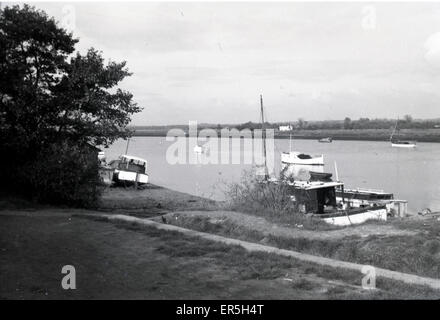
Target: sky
x=209, y=62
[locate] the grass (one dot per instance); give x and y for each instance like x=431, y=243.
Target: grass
x=418, y=254
x=259, y=266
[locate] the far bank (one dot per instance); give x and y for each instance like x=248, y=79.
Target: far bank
x=421, y=135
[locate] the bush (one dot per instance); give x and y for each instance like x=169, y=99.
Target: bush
x=253, y=195
x=63, y=173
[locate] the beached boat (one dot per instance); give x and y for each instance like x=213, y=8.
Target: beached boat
x=395, y=143
x=298, y=158
x=353, y=216
x=130, y=170
x=318, y=199
x=326, y=140
x=361, y=198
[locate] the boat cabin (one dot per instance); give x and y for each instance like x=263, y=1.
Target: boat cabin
x=130, y=163
x=316, y=197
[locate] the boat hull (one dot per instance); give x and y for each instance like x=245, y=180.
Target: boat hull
x=403, y=145
x=356, y=218
x=292, y=158
x=130, y=177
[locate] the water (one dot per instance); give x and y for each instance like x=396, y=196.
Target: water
x=411, y=174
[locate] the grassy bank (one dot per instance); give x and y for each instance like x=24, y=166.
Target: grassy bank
x=421, y=135
x=417, y=254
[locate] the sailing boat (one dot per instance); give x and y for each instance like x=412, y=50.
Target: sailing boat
x=299, y=158
x=400, y=143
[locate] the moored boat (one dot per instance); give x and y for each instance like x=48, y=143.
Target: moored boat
x=400, y=143
x=403, y=144
x=326, y=140
x=298, y=158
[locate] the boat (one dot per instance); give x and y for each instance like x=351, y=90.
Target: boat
x=353, y=216
x=403, y=144
x=320, y=176
x=298, y=158
x=364, y=198
x=317, y=199
x=400, y=143
x=326, y=140
x=129, y=170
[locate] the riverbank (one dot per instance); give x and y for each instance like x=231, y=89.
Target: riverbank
x=420, y=135
x=123, y=260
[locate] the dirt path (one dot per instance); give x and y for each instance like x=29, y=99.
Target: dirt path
x=266, y=227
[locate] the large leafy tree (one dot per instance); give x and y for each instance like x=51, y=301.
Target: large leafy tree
x=53, y=98
x=48, y=93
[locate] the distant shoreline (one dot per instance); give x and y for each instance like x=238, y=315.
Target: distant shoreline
x=418, y=135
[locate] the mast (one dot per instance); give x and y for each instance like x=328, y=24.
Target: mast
x=264, y=136
x=290, y=141
x=395, y=128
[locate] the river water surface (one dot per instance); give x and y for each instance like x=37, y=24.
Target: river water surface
x=411, y=174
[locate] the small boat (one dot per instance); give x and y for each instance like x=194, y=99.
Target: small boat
x=326, y=140
x=298, y=158
x=129, y=169
x=403, y=144
x=320, y=176
x=400, y=143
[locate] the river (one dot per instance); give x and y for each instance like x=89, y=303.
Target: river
x=411, y=174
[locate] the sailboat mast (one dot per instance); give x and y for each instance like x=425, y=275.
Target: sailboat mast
x=395, y=128
x=264, y=134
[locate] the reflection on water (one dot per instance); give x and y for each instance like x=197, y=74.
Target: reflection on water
x=411, y=174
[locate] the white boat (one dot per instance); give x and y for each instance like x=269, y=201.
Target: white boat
x=400, y=143
x=298, y=158
x=355, y=217
x=403, y=144
x=129, y=169
x=326, y=140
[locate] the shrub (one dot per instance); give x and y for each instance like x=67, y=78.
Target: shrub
x=63, y=173
x=253, y=195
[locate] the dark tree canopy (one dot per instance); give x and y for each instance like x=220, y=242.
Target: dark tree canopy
x=47, y=93
x=52, y=98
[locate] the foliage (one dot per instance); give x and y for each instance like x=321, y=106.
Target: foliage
x=53, y=99
x=63, y=174
x=254, y=195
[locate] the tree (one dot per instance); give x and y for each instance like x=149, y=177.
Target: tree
x=51, y=97
x=407, y=118
x=347, y=123
x=301, y=123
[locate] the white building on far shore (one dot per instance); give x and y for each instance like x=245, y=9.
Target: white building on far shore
x=286, y=128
